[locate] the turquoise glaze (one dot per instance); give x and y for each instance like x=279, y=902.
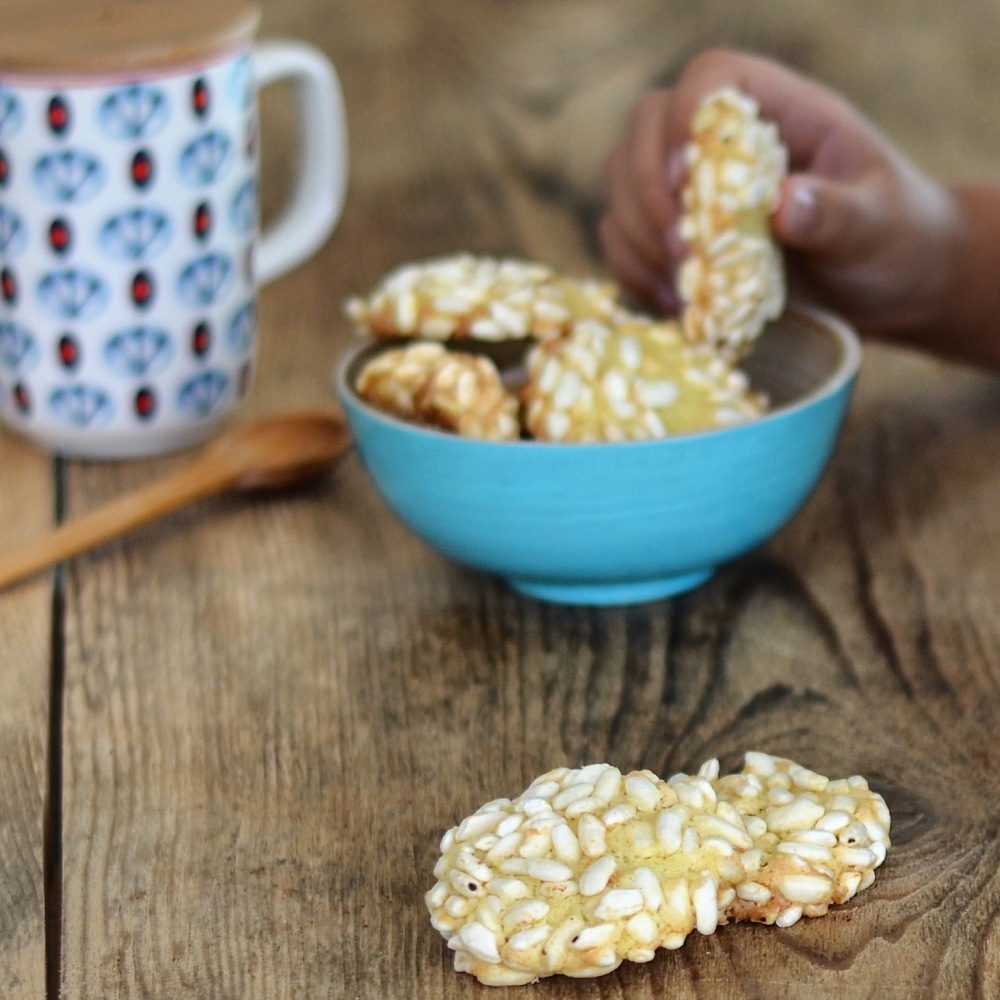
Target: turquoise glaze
x=620, y=523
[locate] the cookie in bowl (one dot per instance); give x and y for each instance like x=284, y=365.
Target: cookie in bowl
x=633, y=380
x=487, y=299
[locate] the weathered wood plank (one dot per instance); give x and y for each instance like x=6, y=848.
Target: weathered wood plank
x=27, y=507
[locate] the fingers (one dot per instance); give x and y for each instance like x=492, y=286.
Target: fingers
x=808, y=115
x=825, y=217
x=855, y=215
x=646, y=170
x=635, y=178
x=830, y=206
x=648, y=283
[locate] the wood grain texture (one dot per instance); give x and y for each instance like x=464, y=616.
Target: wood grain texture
x=274, y=708
x=26, y=507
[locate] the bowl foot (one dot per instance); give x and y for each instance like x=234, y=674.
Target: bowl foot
x=604, y=594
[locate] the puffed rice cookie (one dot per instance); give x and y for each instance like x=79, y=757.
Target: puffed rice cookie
x=817, y=841
x=483, y=298
x=732, y=281
x=635, y=380
x=590, y=867
x=426, y=384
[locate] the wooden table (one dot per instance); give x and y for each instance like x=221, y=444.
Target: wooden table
x=230, y=743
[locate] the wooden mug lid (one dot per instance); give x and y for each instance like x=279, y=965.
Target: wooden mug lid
x=85, y=37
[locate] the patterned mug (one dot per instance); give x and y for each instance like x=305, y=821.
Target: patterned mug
x=130, y=252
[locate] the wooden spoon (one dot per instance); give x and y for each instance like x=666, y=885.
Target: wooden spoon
x=276, y=452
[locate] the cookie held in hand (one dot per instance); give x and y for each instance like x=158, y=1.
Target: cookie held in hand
x=732, y=281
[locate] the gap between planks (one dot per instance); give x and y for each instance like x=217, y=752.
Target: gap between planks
x=52, y=821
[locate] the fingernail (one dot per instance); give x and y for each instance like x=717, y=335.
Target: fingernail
x=675, y=244
x=676, y=169
x=802, y=214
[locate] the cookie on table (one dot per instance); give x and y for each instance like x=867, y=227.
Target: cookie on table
x=426, y=384
x=487, y=299
x=732, y=281
x=590, y=867
x=636, y=379
x=585, y=869
x=817, y=841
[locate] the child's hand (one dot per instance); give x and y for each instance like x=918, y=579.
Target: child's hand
x=866, y=233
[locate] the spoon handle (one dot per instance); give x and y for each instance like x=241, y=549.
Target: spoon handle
x=201, y=478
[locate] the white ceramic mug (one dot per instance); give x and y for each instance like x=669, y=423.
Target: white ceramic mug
x=130, y=255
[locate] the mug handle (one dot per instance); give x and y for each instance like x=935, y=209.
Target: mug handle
x=318, y=193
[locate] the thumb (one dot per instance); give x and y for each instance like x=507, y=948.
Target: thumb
x=819, y=215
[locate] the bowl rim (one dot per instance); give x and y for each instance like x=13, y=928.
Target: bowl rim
x=846, y=370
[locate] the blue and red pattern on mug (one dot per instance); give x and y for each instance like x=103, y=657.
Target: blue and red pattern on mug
x=130, y=252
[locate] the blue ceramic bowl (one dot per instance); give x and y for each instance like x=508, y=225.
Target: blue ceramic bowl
x=619, y=523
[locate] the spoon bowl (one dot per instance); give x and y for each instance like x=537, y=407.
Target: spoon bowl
x=281, y=451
